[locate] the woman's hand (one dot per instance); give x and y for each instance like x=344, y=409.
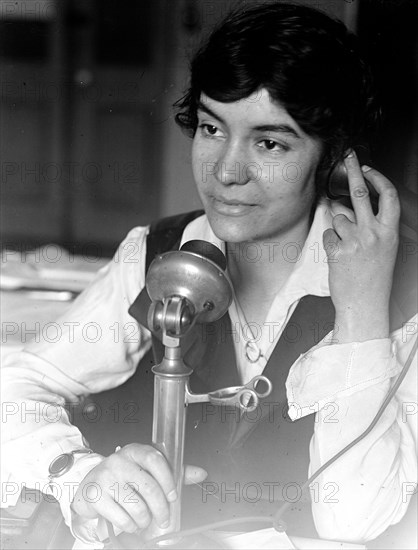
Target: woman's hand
x=361, y=250
x=130, y=487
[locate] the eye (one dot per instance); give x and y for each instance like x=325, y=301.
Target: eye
x=271, y=145
x=209, y=130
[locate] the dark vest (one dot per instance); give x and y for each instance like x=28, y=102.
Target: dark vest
x=254, y=460
x=257, y=457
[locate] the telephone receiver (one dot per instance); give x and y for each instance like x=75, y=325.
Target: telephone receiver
x=336, y=184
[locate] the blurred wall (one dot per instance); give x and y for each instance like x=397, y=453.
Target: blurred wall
x=89, y=146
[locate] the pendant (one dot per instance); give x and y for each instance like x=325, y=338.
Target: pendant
x=252, y=351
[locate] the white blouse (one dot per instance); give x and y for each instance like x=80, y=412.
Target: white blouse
x=100, y=346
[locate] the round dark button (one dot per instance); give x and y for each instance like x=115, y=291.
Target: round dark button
x=61, y=464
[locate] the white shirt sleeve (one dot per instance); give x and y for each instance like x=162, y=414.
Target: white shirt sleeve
x=368, y=488
x=97, y=348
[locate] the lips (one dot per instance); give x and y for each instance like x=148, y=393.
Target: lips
x=231, y=207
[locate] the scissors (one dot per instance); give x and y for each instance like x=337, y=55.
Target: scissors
x=246, y=397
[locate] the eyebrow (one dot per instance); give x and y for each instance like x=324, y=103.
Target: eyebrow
x=279, y=128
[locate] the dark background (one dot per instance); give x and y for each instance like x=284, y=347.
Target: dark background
x=89, y=148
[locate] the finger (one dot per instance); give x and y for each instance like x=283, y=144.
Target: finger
x=154, y=462
x=131, y=501
x=330, y=237
x=338, y=208
x=389, y=204
x=194, y=474
x=145, y=480
x=144, y=500
x=116, y=514
x=359, y=193
x=331, y=245
x=342, y=225
x=152, y=494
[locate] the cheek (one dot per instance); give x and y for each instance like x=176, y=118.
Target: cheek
x=290, y=199
x=301, y=185
x=292, y=175
x=289, y=191
x=198, y=162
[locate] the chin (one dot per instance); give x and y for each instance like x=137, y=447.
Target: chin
x=231, y=230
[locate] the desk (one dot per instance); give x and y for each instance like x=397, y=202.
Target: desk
x=37, y=287
x=23, y=314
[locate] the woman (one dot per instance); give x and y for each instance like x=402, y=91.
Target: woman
x=278, y=95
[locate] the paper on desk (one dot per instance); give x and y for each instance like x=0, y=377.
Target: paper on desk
x=48, y=267
x=270, y=539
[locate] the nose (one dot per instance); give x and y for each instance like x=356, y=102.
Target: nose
x=231, y=165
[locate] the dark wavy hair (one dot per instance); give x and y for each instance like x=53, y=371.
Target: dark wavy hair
x=307, y=61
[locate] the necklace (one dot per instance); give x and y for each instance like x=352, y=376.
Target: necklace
x=252, y=351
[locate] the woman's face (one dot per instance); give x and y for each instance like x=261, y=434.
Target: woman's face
x=254, y=169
